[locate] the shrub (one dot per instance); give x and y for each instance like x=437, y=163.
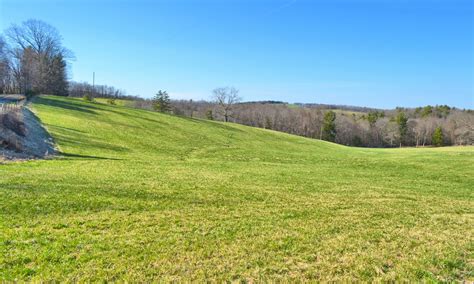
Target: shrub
x=357, y=141
x=30, y=93
x=210, y=115
x=12, y=128
x=12, y=142
x=13, y=121
x=88, y=97
x=111, y=101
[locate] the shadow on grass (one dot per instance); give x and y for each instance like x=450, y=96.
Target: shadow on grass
x=80, y=139
x=74, y=106
x=87, y=157
x=65, y=129
x=88, y=143
x=142, y=116
x=93, y=108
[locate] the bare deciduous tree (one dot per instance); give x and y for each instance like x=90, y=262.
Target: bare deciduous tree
x=226, y=98
x=459, y=127
x=38, y=57
x=43, y=38
x=4, y=66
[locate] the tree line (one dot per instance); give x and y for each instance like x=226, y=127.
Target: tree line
x=353, y=126
x=82, y=89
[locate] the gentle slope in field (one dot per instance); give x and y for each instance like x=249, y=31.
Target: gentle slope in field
x=143, y=196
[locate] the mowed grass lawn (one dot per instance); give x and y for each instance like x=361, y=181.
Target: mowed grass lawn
x=144, y=196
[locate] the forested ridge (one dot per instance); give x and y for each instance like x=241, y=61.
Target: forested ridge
x=353, y=126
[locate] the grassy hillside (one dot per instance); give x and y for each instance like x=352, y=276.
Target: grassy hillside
x=141, y=196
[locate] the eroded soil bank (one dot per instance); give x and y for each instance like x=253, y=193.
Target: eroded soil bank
x=22, y=136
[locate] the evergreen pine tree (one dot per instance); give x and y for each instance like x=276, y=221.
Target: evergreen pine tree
x=329, y=126
x=402, y=122
x=438, y=137
x=57, y=83
x=162, y=102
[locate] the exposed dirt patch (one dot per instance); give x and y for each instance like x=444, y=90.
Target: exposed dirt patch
x=23, y=137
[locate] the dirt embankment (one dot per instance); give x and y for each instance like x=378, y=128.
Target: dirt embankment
x=23, y=137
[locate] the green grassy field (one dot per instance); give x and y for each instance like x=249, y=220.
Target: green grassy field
x=143, y=196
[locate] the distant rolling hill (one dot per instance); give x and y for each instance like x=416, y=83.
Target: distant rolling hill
x=143, y=196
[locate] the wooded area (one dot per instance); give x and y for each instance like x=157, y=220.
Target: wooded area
x=374, y=128
x=347, y=125
x=33, y=60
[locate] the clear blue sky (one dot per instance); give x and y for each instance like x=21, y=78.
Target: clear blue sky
x=383, y=53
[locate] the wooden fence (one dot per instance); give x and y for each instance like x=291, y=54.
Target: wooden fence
x=8, y=107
